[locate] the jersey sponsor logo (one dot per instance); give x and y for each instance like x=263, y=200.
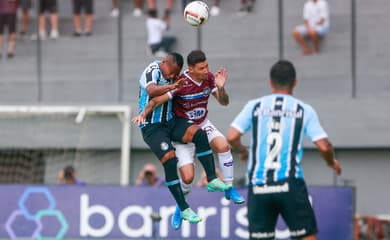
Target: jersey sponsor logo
x=206, y=91
x=197, y=113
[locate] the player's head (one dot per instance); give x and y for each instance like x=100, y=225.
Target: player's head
x=198, y=67
x=283, y=76
x=171, y=65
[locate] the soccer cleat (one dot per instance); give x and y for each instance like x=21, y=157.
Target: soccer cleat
x=232, y=194
x=176, y=219
x=190, y=216
x=217, y=185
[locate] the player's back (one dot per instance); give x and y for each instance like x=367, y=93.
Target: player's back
x=279, y=123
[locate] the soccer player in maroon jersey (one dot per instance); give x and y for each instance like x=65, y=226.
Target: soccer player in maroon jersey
x=190, y=101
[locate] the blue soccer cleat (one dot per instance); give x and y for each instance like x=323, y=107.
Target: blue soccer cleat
x=190, y=216
x=176, y=218
x=232, y=194
x=217, y=185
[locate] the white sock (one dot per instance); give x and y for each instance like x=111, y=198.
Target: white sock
x=226, y=166
x=186, y=188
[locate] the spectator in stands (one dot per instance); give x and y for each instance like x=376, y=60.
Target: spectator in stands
x=67, y=176
x=215, y=10
x=138, y=6
x=87, y=7
x=148, y=177
x=316, y=25
x=246, y=6
x=51, y=7
x=115, y=9
x=158, y=44
x=8, y=10
x=168, y=8
x=25, y=5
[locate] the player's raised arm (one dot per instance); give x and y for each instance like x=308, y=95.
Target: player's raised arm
x=327, y=152
x=220, y=81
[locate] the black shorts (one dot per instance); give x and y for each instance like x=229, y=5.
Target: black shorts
x=158, y=136
x=288, y=198
x=48, y=6
x=25, y=5
x=86, y=5
x=8, y=21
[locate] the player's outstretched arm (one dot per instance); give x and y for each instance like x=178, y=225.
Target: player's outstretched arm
x=234, y=138
x=220, y=81
x=152, y=104
x=155, y=90
x=327, y=152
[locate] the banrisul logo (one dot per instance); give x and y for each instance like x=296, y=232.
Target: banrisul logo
x=37, y=208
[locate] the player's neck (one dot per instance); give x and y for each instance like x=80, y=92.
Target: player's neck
x=195, y=79
x=283, y=91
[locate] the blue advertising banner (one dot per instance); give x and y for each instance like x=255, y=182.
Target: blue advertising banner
x=110, y=212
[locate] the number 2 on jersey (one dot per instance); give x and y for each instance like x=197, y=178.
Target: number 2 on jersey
x=275, y=139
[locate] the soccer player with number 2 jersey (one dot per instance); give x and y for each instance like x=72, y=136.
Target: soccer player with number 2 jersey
x=277, y=123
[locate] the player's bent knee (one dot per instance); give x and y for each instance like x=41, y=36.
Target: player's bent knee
x=187, y=179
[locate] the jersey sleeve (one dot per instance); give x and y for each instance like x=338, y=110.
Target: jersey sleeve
x=152, y=75
x=243, y=121
x=313, y=128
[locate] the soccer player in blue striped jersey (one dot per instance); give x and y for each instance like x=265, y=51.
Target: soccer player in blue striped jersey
x=160, y=127
x=278, y=123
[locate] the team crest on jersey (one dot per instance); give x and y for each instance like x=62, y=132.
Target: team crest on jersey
x=164, y=146
x=206, y=91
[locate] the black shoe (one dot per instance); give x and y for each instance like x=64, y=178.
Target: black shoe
x=88, y=33
x=77, y=34
x=10, y=55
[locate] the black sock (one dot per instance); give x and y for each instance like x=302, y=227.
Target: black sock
x=204, y=154
x=173, y=182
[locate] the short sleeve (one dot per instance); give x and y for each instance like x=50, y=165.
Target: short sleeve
x=243, y=121
x=313, y=128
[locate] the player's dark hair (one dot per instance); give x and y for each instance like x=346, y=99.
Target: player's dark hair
x=177, y=58
x=152, y=13
x=283, y=74
x=68, y=172
x=195, y=57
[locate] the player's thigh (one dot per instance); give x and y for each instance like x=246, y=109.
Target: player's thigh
x=262, y=215
x=179, y=127
x=296, y=209
x=185, y=153
x=321, y=30
x=156, y=136
x=216, y=139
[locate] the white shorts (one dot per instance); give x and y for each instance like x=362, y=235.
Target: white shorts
x=321, y=30
x=185, y=153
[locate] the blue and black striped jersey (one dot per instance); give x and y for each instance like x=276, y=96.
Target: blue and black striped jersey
x=278, y=123
x=153, y=74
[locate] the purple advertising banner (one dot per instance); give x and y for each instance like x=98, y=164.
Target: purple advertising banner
x=113, y=212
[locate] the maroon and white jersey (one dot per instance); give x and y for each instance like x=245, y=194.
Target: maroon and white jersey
x=190, y=101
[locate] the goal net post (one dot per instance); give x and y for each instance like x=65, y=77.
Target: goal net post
x=50, y=137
